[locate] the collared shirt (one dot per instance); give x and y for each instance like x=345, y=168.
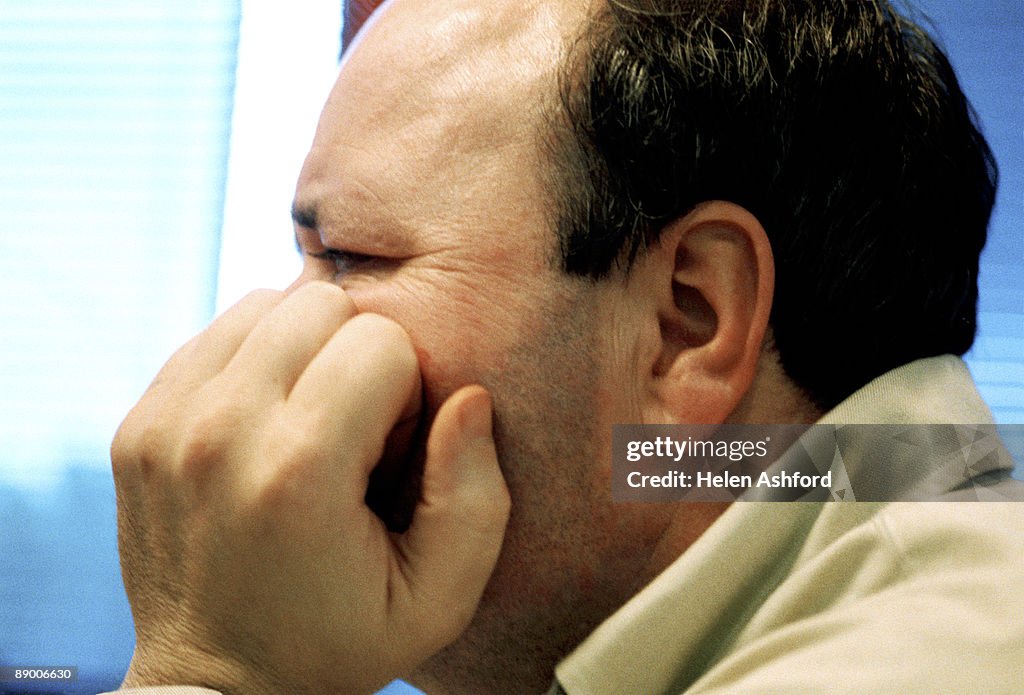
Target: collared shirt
x=901, y=597
x=807, y=597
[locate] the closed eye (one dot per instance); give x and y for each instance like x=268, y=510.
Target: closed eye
x=344, y=261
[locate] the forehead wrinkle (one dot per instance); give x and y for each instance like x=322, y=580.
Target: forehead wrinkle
x=493, y=59
x=354, y=218
x=431, y=108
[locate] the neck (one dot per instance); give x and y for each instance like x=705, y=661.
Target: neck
x=510, y=647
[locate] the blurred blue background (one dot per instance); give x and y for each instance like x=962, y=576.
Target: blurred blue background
x=136, y=139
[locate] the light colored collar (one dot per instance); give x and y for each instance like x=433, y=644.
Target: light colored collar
x=678, y=626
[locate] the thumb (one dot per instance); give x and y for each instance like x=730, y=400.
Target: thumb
x=458, y=526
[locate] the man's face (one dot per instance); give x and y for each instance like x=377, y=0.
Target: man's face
x=422, y=197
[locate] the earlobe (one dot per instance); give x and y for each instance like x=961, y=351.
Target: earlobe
x=716, y=286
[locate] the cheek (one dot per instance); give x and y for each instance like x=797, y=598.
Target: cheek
x=438, y=371
x=452, y=353
x=455, y=343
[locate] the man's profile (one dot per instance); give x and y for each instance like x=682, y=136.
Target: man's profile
x=523, y=223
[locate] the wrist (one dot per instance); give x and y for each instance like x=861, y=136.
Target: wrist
x=185, y=665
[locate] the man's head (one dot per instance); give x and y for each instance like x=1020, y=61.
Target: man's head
x=585, y=209
x=839, y=125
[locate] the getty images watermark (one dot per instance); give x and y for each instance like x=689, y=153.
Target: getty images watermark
x=659, y=463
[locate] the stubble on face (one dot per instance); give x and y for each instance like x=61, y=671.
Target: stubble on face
x=571, y=556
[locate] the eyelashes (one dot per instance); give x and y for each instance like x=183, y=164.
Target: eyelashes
x=343, y=261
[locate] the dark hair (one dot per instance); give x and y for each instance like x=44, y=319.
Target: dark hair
x=839, y=125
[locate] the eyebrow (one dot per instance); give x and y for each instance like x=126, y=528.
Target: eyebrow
x=339, y=224
x=304, y=216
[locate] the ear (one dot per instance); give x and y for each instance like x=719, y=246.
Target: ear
x=712, y=275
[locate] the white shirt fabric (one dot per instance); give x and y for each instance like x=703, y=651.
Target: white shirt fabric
x=901, y=597
x=803, y=597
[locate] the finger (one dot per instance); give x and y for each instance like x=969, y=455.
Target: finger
x=364, y=382
x=208, y=352
x=285, y=341
x=459, y=525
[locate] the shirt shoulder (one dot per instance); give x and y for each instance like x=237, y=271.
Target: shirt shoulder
x=920, y=598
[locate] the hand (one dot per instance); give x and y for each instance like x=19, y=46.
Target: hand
x=250, y=558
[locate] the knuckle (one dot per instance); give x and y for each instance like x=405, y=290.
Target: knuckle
x=392, y=341
x=273, y=494
x=210, y=437
x=292, y=456
x=263, y=296
x=329, y=294
x=182, y=440
x=295, y=448
x=258, y=302
x=123, y=446
x=138, y=442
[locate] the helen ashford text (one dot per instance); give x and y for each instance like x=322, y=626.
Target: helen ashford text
x=679, y=479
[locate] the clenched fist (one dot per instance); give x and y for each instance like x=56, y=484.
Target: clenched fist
x=250, y=557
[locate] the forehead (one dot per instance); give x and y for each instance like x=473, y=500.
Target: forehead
x=435, y=101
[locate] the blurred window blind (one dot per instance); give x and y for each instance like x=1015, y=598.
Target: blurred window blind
x=114, y=129
x=114, y=120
